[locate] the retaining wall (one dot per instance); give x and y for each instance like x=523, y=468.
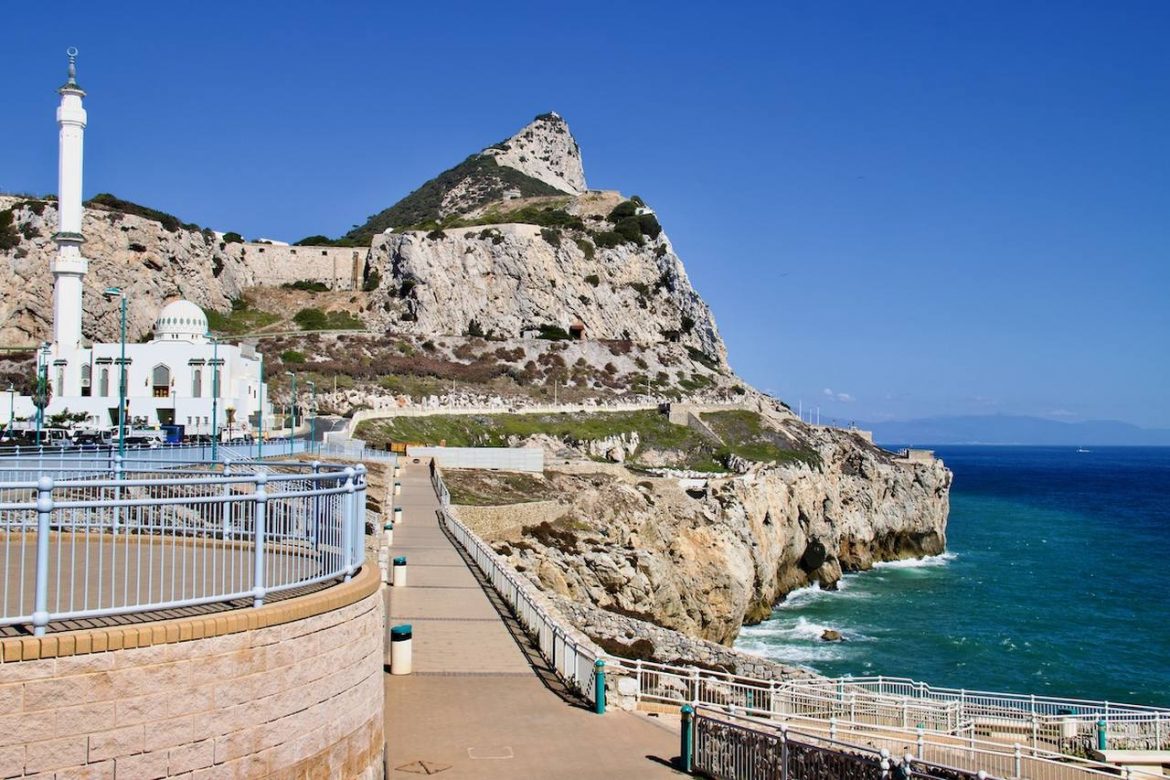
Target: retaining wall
x=503, y=458
x=292, y=689
x=338, y=267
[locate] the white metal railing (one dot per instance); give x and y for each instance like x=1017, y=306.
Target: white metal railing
x=85, y=543
x=974, y=731
x=571, y=655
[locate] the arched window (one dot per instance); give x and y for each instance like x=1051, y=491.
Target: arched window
x=104, y=383
x=197, y=383
x=161, y=379
x=86, y=377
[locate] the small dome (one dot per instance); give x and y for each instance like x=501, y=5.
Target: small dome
x=181, y=321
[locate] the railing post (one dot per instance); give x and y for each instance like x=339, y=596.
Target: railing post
x=1019, y=759
x=40, y=614
x=921, y=741
x=598, y=683
x=1102, y=737
x=907, y=766
x=315, y=519
x=348, y=518
x=884, y=764
x=119, y=468
x=227, y=504
x=261, y=499
x=686, y=745
x=360, y=519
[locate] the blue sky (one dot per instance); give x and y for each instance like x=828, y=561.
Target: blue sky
x=895, y=209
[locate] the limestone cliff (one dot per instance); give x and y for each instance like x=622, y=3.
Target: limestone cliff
x=706, y=560
x=545, y=150
x=152, y=263
x=511, y=280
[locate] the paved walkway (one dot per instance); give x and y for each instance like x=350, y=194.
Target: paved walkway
x=480, y=703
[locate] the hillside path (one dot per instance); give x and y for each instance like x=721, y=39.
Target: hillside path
x=481, y=702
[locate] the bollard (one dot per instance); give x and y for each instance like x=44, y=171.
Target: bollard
x=687, y=739
x=398, y=514
x=388, y=534
x=397, y=488
x=1101, y=726
x=399, y=580
x=400, y=649
x=599, y=686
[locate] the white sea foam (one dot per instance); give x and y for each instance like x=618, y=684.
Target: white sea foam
x=929, y=561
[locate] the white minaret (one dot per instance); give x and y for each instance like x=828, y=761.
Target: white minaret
x=70, y=267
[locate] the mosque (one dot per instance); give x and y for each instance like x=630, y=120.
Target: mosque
x=181, y=377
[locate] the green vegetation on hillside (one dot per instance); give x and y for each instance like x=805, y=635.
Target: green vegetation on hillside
x=742, y=433
x=9, y=235
x=170, y=222
x=422, y=205
x=241, y=319
x=315, y=319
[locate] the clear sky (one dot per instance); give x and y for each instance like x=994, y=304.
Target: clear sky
x=895, y=209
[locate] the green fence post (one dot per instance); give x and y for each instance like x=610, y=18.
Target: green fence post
x=1101, y=741
x=599, y=686
x=687, y=739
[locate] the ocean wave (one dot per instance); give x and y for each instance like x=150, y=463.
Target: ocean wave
x=928, y=562
x=799, y=655
x=803, y=630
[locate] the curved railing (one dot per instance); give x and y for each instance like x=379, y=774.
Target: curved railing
x=1008, y=735
x=88, y=542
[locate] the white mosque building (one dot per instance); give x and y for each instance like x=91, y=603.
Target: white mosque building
x=181, y=377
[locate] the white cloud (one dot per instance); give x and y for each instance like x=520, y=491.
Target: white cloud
x=843, y=397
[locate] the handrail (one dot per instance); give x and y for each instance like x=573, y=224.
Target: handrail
x=1043, y=741
x=146, y=538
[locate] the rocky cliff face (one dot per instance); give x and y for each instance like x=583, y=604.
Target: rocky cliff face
x=510, y=280
x=706, y=561
x=153, y=264
x=544, y=150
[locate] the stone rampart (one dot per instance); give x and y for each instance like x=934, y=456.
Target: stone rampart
x=272, y=265
x=492, y=522
x=292, y=689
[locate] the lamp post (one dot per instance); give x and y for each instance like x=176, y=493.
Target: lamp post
x=313, y=414
x=11, y=407
x=292, y=428
x=42, y=395
x=214, y=397
x=109, y=294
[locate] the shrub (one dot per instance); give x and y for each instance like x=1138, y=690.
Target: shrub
x=553, y=333
x=551, y=236
x=428, y=345
x=586, y=248
x=136, y=247
x=703, y=358
x=292, y=356
x=9, y=236
x=607, y=239
x=436, y=235
x=623, y=210
x=474, y=329
x=168, y=221
x=311, y=319
x=373, y=280
x=233, y=238
x=593, y=280
x=317, y=240
x=306, y=285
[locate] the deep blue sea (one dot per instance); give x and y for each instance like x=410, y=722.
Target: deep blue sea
x=1055, y=581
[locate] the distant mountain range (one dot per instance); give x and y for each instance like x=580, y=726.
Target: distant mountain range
x=1010, y=429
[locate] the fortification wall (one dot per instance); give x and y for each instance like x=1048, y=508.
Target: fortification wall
x=272, y=265
x=292, y=689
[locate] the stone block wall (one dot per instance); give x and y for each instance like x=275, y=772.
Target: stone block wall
x=273, y=265
x=299, y=698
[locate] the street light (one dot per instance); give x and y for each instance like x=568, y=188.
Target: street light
x=292, y=428
x=11, y=408
x=41, y=398
x=110, y=293
x=260, y=415
x=313, y=411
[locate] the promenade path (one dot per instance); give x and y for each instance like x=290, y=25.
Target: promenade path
x=481, y=703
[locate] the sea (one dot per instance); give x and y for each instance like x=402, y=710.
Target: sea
x=1055, y=581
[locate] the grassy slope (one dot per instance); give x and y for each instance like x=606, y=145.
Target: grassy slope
x=423, y=204
x=741, y=431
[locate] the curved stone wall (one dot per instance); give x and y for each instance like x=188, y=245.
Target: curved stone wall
x=292, y=689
